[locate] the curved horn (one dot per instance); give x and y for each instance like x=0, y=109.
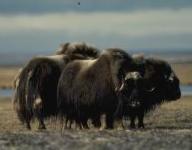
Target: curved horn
x=151, y=89
x=122, y=86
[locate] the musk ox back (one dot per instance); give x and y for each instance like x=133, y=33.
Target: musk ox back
x=35, y=90
x=161, y=85
x=86, y=88
x=78, y=49
x=36, y=85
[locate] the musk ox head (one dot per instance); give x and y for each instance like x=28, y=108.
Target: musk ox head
x=161, y=77
x=79, y=49
x=160, y=80
x=131, y=90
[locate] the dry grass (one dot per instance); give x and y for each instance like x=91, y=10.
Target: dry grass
x=7, y=76
x=184, y=72
x=177, y=115
x=168, y=127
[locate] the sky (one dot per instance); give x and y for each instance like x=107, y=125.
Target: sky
x=41, y=25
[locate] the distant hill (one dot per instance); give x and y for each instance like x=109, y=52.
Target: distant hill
x=18, y=58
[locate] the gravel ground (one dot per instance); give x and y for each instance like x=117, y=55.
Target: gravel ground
x=84, y=140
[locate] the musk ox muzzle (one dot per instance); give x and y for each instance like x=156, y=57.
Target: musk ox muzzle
x=130, y=90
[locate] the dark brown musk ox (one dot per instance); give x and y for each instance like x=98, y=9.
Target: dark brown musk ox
x=160, y=85
x=36, y=84
x=87, y=88
x=130, y=92
x=129, y=95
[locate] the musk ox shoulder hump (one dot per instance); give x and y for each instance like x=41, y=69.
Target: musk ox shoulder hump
x=59, y=59
x=85, y=64
x=78, y=48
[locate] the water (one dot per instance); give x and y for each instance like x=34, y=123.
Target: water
x=6, y=92
x=186, y=90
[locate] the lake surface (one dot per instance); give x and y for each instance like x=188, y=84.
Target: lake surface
x=186, y=90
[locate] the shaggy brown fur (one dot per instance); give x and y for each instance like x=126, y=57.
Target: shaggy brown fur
x=78, y=49
x=161, y=84
x=86, y=88
x=36, y=85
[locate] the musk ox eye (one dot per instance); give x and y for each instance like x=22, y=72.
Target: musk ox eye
x=166, y=77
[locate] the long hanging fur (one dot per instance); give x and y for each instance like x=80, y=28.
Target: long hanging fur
x=86, y=88
x=160, y=77
x=39, y=73
x=36, y=85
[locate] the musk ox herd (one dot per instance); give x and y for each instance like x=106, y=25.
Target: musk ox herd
x=80, y=83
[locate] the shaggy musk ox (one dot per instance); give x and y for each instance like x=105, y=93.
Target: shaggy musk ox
x=159, y=84
x=36, y=85
x=87, y=88
x=130, y=92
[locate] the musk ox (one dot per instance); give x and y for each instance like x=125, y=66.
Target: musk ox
x=159, y=84
x=130, y=92
x=87, y=88
x=36, y=85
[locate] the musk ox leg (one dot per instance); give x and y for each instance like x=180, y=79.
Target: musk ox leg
x=120, y=124
x=140, y=120
x=84, y=124
x=132, y=123
x=41, y=124
x=109, y=121
x=28, y=126
x=38, y=109
x=96, y=121
x=68, y=123
x=78, y=124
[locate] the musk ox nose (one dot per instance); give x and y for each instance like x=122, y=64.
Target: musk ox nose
x=134, y=99
x=135, y=103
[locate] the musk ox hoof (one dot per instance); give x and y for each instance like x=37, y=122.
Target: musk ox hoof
x=141, y=126
x=41, y=127
x=28, y=126
x=109, y=127
x=132, y=126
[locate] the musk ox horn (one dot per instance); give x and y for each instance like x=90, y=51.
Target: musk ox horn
x=151, y=89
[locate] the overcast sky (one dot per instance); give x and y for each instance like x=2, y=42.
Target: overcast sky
x=41, y=25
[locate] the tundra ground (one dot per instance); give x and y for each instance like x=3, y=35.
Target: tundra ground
x=167, y=127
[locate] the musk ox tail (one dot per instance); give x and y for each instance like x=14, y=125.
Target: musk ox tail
x=36, y=82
